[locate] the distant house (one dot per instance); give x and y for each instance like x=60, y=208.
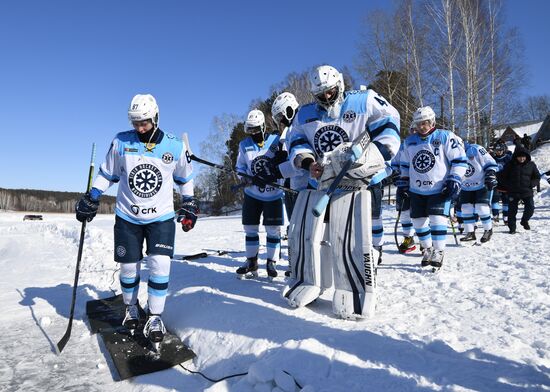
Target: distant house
x=543, y=134
x=508, y=132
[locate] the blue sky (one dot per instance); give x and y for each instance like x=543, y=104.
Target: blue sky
x=70, y=68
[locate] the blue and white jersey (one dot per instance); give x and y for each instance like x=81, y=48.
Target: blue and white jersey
x=146, y=174
x=252, y=160
x=396, y=161
x=479, y=161
x=315, y=132
x=299, y=178
x=430, y=161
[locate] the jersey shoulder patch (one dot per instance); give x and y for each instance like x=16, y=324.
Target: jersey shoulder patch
x=306, y=114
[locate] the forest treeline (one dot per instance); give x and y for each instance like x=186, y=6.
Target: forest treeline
x=34, y=200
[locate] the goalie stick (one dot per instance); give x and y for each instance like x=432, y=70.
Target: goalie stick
x=356, y=149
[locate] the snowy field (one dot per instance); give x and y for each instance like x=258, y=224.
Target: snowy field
x=481, y=324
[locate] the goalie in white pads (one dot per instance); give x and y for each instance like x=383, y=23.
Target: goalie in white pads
x=338, y=244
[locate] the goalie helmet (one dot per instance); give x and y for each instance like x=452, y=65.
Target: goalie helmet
x=255, y=122
x=284, y=108
x=422, y=114
x=500, y=148
x=327, y=86
x=144, y=107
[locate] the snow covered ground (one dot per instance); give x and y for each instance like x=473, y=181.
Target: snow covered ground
x=481, y=324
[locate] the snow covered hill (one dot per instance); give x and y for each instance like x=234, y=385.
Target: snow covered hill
x=481, y=324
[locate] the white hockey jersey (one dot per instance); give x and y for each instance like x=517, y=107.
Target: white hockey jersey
x=146, y=176
x=430, y=161
x=314, y=132
x=253, y=159
x=479, y=161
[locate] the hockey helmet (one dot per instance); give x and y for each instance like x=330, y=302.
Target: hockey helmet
x=284, y=108
x=326, y=79
x=144, y=107
x=422, y=114
x=255, y=122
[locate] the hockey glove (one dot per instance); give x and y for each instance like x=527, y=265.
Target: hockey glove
x=188, y=213
x=451, y=190
x=402, y=193
x=490, y=180
x=86, y=208
x=268, y=173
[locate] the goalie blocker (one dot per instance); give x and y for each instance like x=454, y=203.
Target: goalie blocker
x=340, y=251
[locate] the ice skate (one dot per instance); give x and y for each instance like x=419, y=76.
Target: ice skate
x=154, y=330
x=436, y=261
x=486, y=235
x=131, y=319
x=407, y=246
x=271, y=270
x=249, y=268
x=469, y=237
x=379, y=250
x=426, y=256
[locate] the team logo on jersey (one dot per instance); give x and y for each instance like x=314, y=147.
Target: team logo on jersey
x=260, y=166
x=328, y=138
x=423, y=161
x=470, y=171
x=349, y=116
x=436, y=143
x=121, y=251
x=145, y=180
x=167, y=158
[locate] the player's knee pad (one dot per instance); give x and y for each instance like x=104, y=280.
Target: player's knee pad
x=304, y=240
x=159, y=265
x=467, y=209
x=483, y=210
x=351, y=239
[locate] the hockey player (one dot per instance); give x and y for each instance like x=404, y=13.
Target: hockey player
x=433, y=164
x=145, y=162
x=479, y=181
x=320, y=139
x=283, y=111
x=256, y=157
x=502, y=156
x=403, y=204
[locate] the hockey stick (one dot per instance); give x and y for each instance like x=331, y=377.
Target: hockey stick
x=63, y=342
x=195, y=158
x=397, y=223
x=202, y=255
x=357, y=147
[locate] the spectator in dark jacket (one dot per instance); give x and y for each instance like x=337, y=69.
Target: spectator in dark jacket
x=519, y=177
x=526, y=141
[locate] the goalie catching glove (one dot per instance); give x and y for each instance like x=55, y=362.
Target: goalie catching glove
x=188, y=213
x=368, y=164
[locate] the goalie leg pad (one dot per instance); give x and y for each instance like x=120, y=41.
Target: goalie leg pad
x=304, y=242
x=326, y=260
x=354, y=271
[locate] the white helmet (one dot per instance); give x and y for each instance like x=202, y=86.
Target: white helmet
x=255, y=122
x=284, y=108
x=144, y=107
x=422, y=114
x=323, y=79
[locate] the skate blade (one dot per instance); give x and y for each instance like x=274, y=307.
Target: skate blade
x=248, y=275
